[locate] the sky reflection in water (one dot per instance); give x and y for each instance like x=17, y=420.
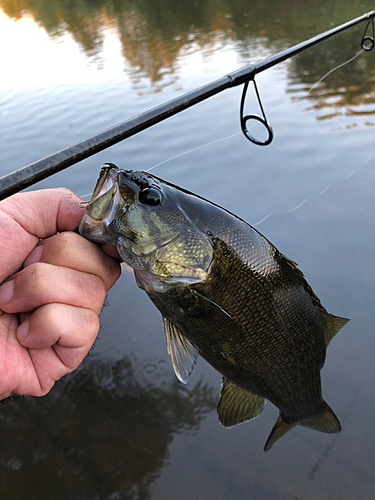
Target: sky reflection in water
x=69, y=71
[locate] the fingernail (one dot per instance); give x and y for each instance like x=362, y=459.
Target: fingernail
x=6, y=292
x=22, y=331
x=33, y=256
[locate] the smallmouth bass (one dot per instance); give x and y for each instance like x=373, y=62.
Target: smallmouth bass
x=225, y=293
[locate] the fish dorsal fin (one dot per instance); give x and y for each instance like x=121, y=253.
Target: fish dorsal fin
x=333, y=324
x=326, y=421
x=237, y=405
x=279, y=429
x=183, y=354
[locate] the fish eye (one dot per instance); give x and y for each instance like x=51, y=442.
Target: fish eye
x=150, y=196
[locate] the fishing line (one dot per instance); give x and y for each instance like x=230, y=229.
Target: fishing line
x=334, y=69
x=315, y=195
x=231, y=136
x=41, y=169
x=86, y=195
x=253, y=125
x=317, y=466
x=193, y=150
x=324, y=190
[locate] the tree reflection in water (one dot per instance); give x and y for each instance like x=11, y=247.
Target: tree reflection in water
x=154, y=34
x=103, y=432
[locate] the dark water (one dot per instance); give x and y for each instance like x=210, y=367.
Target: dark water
x=122, y=426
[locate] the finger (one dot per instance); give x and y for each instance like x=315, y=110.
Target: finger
x=17, y=374
x=42, y=283
x=27, y=217
x=45, y=212
x=59, y=337
x=68, y=249
x=70, y=330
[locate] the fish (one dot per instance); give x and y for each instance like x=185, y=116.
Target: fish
x=225, y=293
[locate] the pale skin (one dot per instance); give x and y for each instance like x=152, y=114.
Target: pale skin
x=53, y=286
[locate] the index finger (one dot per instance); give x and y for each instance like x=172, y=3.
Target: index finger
x=71, y=250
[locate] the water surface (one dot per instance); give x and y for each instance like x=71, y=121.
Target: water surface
x=122, y=426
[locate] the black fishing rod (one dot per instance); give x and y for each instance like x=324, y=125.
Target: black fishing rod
x=41, y=169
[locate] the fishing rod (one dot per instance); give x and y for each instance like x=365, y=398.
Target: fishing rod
x=41, y=169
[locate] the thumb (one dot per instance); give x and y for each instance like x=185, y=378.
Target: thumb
x=25, y=218
x=45, y=212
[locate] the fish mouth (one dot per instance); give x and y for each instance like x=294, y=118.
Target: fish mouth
x=115, y=191
x=106, y=196
x=105, y=204
x=108, y=176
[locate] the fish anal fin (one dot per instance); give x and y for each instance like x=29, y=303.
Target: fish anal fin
x=279, y=429
x=183, y=354
x=237, y=404
x=333, y=324
x=326, y=421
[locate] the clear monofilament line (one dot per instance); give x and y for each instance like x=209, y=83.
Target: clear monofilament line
x=212, y=143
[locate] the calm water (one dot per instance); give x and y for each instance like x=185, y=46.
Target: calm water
x=122, y=426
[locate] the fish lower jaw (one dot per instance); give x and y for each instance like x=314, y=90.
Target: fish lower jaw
x=135, y=260
x=96, y=231
x=153, y=283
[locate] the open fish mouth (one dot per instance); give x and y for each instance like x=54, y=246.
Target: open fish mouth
x=107, y=178
x=116, y=191
x=105, y=204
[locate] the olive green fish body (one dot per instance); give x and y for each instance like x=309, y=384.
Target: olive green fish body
x=262, y=332
x=225, y=293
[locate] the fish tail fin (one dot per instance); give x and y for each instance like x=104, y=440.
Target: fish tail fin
x=333, y=324
x=326, y=421
x=279, y=429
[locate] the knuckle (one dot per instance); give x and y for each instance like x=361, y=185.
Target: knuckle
x=97, y=288
x=36, y=275
x=91, y=323
x=66, y=238
x=62, y=246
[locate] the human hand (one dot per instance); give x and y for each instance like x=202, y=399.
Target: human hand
x=49, y=309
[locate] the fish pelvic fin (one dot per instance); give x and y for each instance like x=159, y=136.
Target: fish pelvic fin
x=184, y=355
x=237, y=404
x=279, y=429
x=326, y=421
x=333, y=324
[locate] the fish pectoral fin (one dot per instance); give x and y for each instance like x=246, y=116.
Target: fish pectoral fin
x=237, y=404
x=279, y=429
x=333, y=324
x=183, y=354
x=326, y=421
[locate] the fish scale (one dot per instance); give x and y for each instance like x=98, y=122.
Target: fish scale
x=225, y=293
